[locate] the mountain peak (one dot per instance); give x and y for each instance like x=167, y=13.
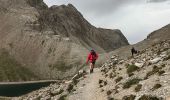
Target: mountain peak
x=37, y=3
x=69, y=6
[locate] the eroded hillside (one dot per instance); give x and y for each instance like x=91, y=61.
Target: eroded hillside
x=52, y=43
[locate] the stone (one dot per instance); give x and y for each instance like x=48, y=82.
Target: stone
x=156, y=60
x=56, y=92
x=69, y=87
x=139, y=64
x=100, y=81
x=109, y=92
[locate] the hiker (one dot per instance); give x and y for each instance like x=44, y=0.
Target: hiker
x=133, y=51
x=92, y=57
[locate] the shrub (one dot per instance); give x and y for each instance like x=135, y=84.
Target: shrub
x=111, y=75
x=156, y=86
x=154, y=71
x=149, y=97
x=131, y=68
x=131, y=74
x=109, y=92
x=105, y=83
x=161, y=72
x=131, y=82
x=111, y=99
x=129, y=97
x=100, y=81
x=118, y=79
x=138, y=88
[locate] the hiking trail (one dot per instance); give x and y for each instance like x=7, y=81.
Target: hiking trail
x=88, y=88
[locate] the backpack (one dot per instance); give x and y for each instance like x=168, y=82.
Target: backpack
x=93, y=53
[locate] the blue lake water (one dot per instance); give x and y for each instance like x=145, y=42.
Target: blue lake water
x=14, y=90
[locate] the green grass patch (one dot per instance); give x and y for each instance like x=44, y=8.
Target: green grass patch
x=131, y=82
x=131, y=68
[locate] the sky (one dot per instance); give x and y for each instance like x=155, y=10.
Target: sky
x=135, y=18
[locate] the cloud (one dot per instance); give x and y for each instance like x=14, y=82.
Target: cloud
x=95, y=7
x=100, y=7
x=156, y=1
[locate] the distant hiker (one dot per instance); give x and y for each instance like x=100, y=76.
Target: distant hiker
x=133, y=51
x=92, y=57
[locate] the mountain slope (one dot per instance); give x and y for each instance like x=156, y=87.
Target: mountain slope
x=68, y=22
x=161, y=34
x=53, y=42
x=144, y=77
x=153, y=38
x=11, y=70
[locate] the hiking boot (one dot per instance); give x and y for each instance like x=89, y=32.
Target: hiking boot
x=90, y=71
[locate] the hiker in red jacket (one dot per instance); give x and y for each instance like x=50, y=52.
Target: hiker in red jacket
x=92, y=57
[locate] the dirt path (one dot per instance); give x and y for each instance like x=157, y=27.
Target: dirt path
x=88, y=88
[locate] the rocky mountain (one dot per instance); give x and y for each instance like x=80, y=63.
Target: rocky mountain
x=161, y=34
x=50, y=43
x=144, y=77
x=153, y=38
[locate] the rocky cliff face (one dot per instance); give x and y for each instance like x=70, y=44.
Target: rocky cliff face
x=52, y=43
x=66, y=21
x=161, y=34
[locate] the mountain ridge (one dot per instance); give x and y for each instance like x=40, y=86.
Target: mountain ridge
x=51, y=41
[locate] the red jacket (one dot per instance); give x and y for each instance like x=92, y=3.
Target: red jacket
x=92, y=58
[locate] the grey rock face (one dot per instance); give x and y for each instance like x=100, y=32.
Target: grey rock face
x=160, y=34
x=68, y=22
x=51, y=42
